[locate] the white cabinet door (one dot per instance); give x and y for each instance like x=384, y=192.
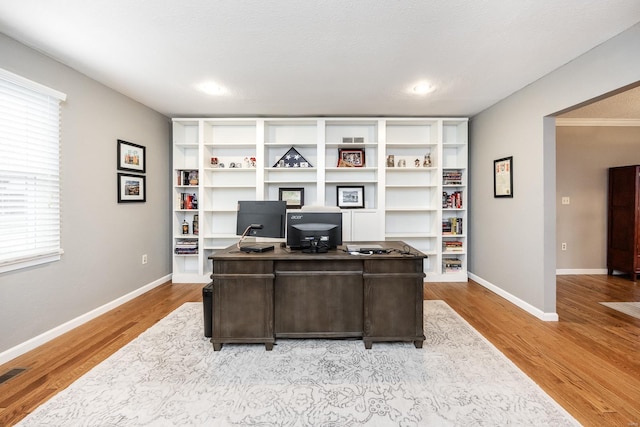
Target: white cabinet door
x=365, y=225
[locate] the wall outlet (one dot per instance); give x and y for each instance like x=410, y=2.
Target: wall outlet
x=144, y=258
x=564, y=246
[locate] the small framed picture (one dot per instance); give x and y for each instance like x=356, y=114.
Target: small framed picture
x=131, y=157
x=131, y=188
x=293, y=196
x=503, y=177
x=350, y=197
x=351, y=158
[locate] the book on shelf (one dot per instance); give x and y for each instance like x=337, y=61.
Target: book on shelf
x=451, y=226
x=187, y=177
x=451, y=265
x=452, y=246
x=186, y=247
x=188, y=201
x=452, y=177
x=453, y=200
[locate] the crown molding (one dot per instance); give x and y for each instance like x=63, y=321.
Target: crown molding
x=597, y=122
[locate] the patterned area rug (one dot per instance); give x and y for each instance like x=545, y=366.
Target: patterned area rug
x=170, y=375
x=630, y=308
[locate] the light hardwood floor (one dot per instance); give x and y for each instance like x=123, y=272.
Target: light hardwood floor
x=588, y=361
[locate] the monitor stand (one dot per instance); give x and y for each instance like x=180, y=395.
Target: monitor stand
x=257, y=247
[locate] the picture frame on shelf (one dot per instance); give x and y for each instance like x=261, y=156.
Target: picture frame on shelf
x=131, y=157
x=293, y=196
x=351, y=158
x=131, y=188
x=503, y=177
x=350, y=196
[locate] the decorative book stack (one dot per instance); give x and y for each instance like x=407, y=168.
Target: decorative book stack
x=187, y=247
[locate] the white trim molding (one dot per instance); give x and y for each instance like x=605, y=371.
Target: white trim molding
x=547, y=317
x=37, y=341
x=570, y=271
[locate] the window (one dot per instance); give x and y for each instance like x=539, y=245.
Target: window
x=29, y=173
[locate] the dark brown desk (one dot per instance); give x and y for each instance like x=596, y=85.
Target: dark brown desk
x=258, y=297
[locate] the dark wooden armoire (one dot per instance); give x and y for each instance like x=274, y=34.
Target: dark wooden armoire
x=623, y=236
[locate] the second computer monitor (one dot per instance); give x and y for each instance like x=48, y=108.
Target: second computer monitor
x=314, y=231
x=268, y=217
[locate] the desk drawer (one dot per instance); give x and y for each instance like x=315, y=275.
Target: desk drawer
x=318, y=303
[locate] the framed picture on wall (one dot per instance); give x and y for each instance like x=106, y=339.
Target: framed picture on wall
x=131, y=157
x=131, y=188
x=503, y=177
x=351, y=197
x=293, y=196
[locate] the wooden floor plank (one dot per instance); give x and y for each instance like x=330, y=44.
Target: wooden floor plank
x=587, y=361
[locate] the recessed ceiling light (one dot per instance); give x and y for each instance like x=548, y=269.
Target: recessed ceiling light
x=212, y=88
x=423, y=88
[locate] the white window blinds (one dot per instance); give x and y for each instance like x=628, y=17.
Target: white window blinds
x=29, y=172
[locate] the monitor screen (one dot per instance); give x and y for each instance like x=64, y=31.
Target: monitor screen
x=314, y=231
x=267, y=216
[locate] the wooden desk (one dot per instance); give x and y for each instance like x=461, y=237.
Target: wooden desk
x=258, y=297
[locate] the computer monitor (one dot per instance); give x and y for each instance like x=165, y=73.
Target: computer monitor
x=314, y=232
x=266, y=216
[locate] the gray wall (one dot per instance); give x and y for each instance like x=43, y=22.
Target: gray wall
x=103, y=241
x=513, y=241
x=584, y=154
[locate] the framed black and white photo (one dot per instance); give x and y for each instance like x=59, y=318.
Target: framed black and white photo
x=503, y=177
x=350, y=197
x=293, y=196
x=131, y=188
x=131, y=157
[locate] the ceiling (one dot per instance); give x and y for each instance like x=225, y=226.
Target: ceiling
x=624, y=105
x=323, y=57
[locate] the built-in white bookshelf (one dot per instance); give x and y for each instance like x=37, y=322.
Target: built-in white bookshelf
x=408, y=166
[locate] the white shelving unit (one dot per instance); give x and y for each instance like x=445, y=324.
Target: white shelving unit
x=403, y=198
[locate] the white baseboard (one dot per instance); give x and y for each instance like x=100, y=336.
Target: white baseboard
x=569, y=271
x=37, y=341
x=547, y=317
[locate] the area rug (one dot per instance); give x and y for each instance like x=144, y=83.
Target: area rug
x=170, y=376
x=630, y=308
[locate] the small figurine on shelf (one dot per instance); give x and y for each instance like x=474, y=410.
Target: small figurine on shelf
x=427, y=161
x=185, y=227
x=391, y=162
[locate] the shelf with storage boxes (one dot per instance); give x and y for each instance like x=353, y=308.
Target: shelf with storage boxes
x=351, y=161
x=411, y=185
x=392, y=173
x=290, y=158
x=187, y=257
x=454, y=200
x=229, y=164
x=351, y=175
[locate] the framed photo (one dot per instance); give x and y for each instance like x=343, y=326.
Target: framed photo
x=131, y=188
x=503, y=177
x=131, y=157
x=351, y=158
x=350, y=197
x=293, y=196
